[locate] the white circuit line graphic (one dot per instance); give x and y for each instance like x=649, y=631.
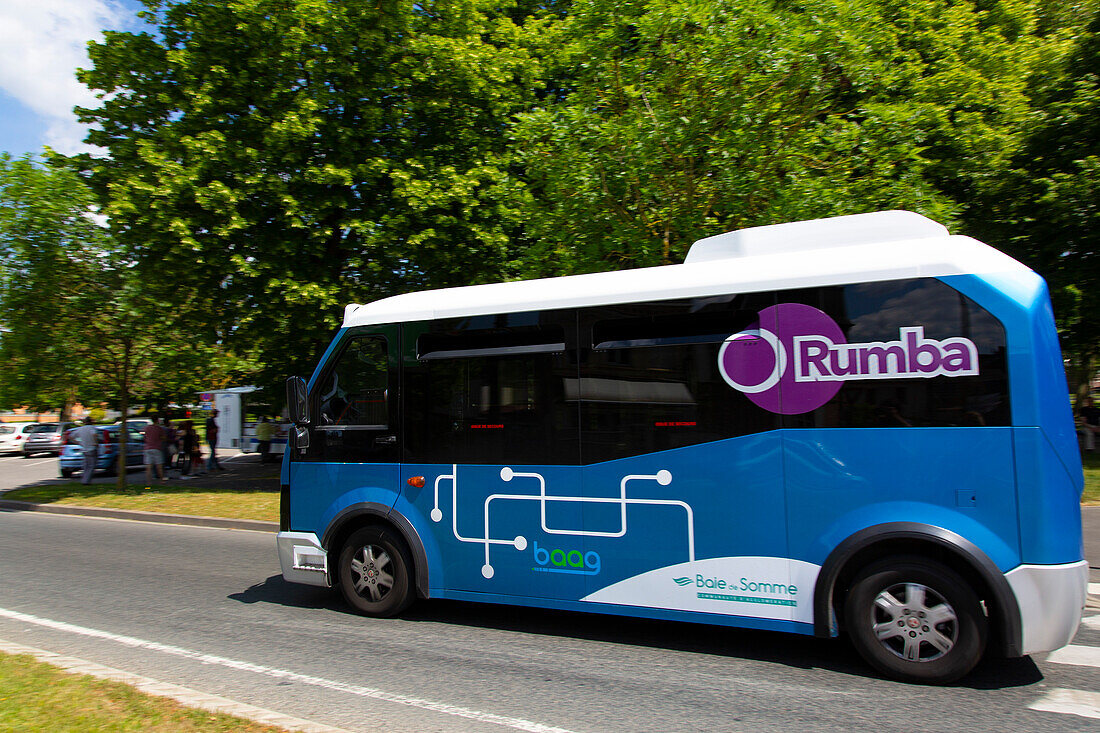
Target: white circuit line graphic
x=662, y=477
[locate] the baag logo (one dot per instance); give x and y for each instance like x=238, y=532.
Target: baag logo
x=566, y=561
x=798, y=359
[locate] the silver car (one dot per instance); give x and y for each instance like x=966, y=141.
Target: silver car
x=45, y=439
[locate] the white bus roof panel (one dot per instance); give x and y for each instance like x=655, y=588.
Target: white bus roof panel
x=890, y=245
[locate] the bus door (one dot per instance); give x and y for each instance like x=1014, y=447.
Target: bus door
x=354, y=445
x=489, y=431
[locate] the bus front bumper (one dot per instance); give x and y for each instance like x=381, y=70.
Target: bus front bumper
x=1052, y=600
x=302, y=558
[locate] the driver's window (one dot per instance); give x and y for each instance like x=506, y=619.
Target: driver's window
x=355, y=393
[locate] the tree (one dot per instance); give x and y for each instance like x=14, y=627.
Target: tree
x=1044, y=204
x=48, y=236
x=677, y=119
x=273, y=160
x=82, y=323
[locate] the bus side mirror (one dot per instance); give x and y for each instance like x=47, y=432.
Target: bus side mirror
x=297, y=401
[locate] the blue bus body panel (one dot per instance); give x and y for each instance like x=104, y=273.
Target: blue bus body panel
x=840, y=481
x=326, y=489
x=1039, y=391
x=1045, y=451
x=722, y=499
x=1050, y=503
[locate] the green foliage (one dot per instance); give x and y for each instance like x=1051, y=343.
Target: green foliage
x=48, y=241
x=684, y=118
x=273, y=160
x=1045, y=204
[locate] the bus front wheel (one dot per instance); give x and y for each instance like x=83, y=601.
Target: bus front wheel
x=375, y=572
x=915, y=620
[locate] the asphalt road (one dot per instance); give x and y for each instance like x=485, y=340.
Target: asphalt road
x=207, y=609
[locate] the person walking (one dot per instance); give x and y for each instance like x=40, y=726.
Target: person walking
x=87, y=436
x=212, y=439
x=1088, y=421
x=265, y=431
x=154, y=450
x=171, y=446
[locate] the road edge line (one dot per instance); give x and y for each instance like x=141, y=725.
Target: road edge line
x=183, y=695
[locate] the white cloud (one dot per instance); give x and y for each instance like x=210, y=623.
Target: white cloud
x=42, y=42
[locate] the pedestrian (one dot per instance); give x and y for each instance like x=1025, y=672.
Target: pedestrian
x=265, y=431
x=212, y=440
x=1088, y=421
x=171, y=446
x=154, y=450
x=190, y=464
x=87, y=435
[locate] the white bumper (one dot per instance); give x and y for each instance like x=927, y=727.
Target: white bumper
x=1051, y=600
x=302, y=558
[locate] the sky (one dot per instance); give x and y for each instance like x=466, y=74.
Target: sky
x=42, y=43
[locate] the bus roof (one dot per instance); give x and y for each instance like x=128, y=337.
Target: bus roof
x=886, y=245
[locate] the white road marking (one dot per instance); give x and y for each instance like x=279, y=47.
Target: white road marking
x=1094, y=589
x=183, y=695
x=1071, y=702
x=1083, y=656
x=370, y=692
x=1091, y=622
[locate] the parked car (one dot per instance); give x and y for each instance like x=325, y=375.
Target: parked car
x=137, y=423
x=71, y=459
x=46, y=439
x=12, y=435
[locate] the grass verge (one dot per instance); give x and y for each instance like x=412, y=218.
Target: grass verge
x=204, y=502
x=37, y=696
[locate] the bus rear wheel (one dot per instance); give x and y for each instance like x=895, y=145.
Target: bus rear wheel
x=375, y=572
x=915, y=620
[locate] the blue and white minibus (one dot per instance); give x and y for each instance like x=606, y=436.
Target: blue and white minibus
x=855, y=425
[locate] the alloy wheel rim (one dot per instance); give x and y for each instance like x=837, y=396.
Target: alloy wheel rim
x=372, y=572
x=914, y=622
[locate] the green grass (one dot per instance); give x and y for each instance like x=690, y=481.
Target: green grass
x=36, y=696
x=228, y=503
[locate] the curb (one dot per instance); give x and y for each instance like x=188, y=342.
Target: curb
x=255, y=525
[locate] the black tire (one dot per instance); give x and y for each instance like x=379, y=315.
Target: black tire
x=27, y=455
x=375, y=572
x=66, y=472
x=915, y=620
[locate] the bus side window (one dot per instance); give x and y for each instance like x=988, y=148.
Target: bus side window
x=355, y=392
x=354, y=418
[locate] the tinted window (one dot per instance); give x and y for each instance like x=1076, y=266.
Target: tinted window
x=491, y=390
x=649, y=377
x=356, y=408
x=872, y=313
x=6, y=430
x=355, y=390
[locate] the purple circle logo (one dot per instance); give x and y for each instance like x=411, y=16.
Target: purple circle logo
x=757, y=361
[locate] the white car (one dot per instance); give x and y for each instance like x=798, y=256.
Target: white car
x=13, y=434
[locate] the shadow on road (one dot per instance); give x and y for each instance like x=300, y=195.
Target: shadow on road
x=802, y=652
x=295, y=595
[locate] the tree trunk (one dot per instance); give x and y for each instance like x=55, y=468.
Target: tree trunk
x=124, y=407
